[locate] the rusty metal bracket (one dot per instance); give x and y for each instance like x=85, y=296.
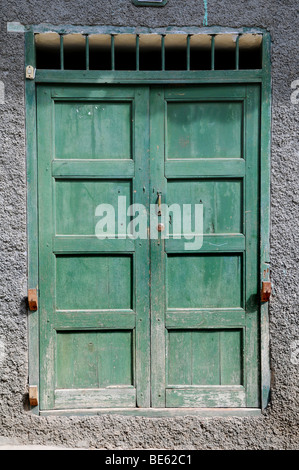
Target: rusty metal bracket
x=33, y=395
x=266, y=291
x=32, y=300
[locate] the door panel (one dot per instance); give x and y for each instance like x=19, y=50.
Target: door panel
x=222, y=201
x=78, y=199
x=155, y=322
x=205, y=315
x=205, y=357
x=191, y=125
x=209, y=281
x=94, y=292
x=83, y=129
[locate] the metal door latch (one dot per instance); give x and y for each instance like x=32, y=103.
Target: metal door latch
x=266, y=291
x=30, y=72
x=32, y=300
x=159, y=194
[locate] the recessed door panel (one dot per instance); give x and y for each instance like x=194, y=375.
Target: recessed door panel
x=204, y=129
x=204, y=281
x=87, y=129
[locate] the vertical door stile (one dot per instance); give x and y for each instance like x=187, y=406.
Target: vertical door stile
x=252, y=361
x=142, y=277
x=158, y=187
x=46, y=257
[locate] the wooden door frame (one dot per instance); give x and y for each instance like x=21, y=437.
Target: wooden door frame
x=262, y=77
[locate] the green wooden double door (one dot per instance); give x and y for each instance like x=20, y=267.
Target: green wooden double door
x=148, y=321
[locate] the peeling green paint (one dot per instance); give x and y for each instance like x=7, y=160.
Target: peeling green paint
x=205, y=20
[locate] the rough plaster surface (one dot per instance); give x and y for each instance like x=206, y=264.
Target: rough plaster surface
x=278, y=428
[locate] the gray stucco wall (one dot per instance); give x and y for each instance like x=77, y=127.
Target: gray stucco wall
x=278, y=427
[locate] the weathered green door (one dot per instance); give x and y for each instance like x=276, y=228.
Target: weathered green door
x=148, y=322
x=204, y=150
x=94, y=294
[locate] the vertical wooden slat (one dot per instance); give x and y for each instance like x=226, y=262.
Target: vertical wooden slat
x=179, y=357
x=188, y=52
x=141, y=193
x=61, y=52
x=137, y=53
x=158, y=255
x=112, y=52
x=163, y=51
x=237, y=52
x=252, y=354
x=265, y=212
x=32, y=217
x=47, y=261
x=87, y=51
x=213, y=52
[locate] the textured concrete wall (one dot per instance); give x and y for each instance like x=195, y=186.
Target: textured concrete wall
x=278, y=428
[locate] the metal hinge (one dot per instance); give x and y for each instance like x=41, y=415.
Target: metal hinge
x=32, y=300
x=30, y=72
x=33, y=395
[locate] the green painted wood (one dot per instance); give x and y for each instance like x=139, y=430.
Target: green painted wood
x=221, y=199
x=231, y=357
x=83, y=130
x=204, y=292
x=205, y=357
x=76, y=203
x=158, y=412
x=205, y=281
x=204, y=318
x=89, y=319
x=144, y=77
x=32, y=219
x=265, y=214
x=158, y=256
x=261, y=76
x=201, y=168
x=46, y=256
x=89, y=398
x=69, y=245
x=252, y=353
x=94, y=292
x=206, y=93
x=89, y=282
x=95, y=359
x=223, y=397
x=95, y=169
x=142, y=254
x=211, y=243
x=221, y=120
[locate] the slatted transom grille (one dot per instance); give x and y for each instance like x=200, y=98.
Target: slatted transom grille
x=148, y=52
